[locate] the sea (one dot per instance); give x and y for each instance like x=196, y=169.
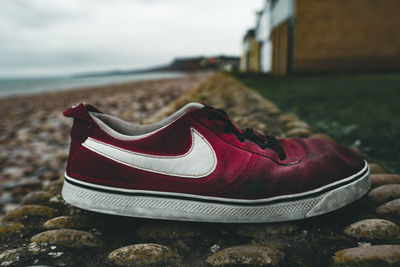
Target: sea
x=22, y=86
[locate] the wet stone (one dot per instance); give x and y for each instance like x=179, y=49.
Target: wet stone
x=373, y=229
x=384, y=179
x=376, y=169
x=391, y=207
x=40, y=197
x=385, y=193
x=68, y=238
x=246, y=254
x=142, y=254
x=383, y=253
x=26, y=212
x=69, y=222
x=12, y=257
x=10, y=229
x=36, y=248
x=266, y=230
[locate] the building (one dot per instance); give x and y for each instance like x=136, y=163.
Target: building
x=262, y=36
x=300, y=36
x=250, y=60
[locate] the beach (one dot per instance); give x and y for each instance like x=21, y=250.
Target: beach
x=34, y=136
x=41, y=228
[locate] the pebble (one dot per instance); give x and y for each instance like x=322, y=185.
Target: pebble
x=69, y=222
x=13, y=172
x=383, y=179
x=68, y=238
x=391, y=207
x=142, y=254
x=10, y=229
x=26, y=186
x=296, y=124
x=373, y=229
x=54, y=187
x=5, y=198
x=299, y=132
x=246, y=254
x=39, y=197
x=28, y=212
x=11, y=257
x=288, y=117
x=266, y=230
x=385, y=193
x=358, y=255
x=376, y=169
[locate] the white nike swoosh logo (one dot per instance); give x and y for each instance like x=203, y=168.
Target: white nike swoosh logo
x=200, y=161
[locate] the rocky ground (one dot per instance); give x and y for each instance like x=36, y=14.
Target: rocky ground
x=43, y=230
x=34, y=135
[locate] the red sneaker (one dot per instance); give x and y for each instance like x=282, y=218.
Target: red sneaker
x=196, y=165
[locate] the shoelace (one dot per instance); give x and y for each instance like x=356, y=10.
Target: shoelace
x=263, y=141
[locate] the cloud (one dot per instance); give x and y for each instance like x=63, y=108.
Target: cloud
x=100, y=34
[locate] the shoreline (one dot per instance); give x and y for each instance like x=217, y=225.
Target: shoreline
x=30, y=86
x=62, y=99
x=115, y=85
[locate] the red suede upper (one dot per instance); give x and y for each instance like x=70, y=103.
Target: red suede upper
x=243, y=171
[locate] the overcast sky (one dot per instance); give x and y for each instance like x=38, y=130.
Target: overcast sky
x=50, y=37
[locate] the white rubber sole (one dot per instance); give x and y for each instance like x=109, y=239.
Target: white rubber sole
x=186, y=207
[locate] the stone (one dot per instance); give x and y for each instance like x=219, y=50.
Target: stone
x=55, y=187
x=12, y=257
x=10, y=229
x=26, y=186
x=69, y=222
x=384, y=193
x=391, y=207
x=299, y=132
x=36, y=248
x=288, y=117
x=246, y=254
x=296, y=124
x=166, y=230
x=262, y=231
x=373, y=229
x=68, y=238
x=376, y=169
x=382, y=179
x=5, y=198
x=39, y=197
x=13, y=172
x=321, y=136
x=142, y=255
x=358, y=255
x=26, y=212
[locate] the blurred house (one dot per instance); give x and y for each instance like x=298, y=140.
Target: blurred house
x=250, y=60
x=297, y=36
